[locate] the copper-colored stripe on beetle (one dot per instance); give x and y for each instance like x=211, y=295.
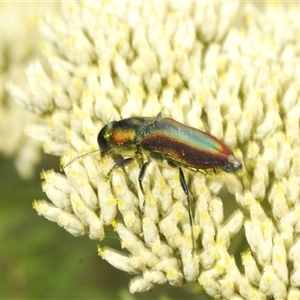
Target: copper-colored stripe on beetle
x=166, y=139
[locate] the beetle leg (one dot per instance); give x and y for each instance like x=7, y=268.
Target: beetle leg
x=141, y=176
x=186, y=191
x=120, y=163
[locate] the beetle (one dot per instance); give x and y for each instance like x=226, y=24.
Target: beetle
x=165, y=139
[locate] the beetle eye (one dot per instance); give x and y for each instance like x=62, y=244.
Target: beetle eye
x=104, y=136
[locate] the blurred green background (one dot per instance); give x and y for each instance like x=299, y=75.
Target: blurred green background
x=40, y=260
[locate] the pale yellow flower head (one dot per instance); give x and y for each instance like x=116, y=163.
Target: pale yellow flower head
x=229, y=69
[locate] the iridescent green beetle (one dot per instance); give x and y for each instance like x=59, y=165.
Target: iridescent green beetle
x=165, y=139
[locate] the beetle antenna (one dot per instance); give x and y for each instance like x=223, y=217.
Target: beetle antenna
x=63, y=166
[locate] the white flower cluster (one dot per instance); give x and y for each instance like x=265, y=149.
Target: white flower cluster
x=229, y=69
x=15, y=52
